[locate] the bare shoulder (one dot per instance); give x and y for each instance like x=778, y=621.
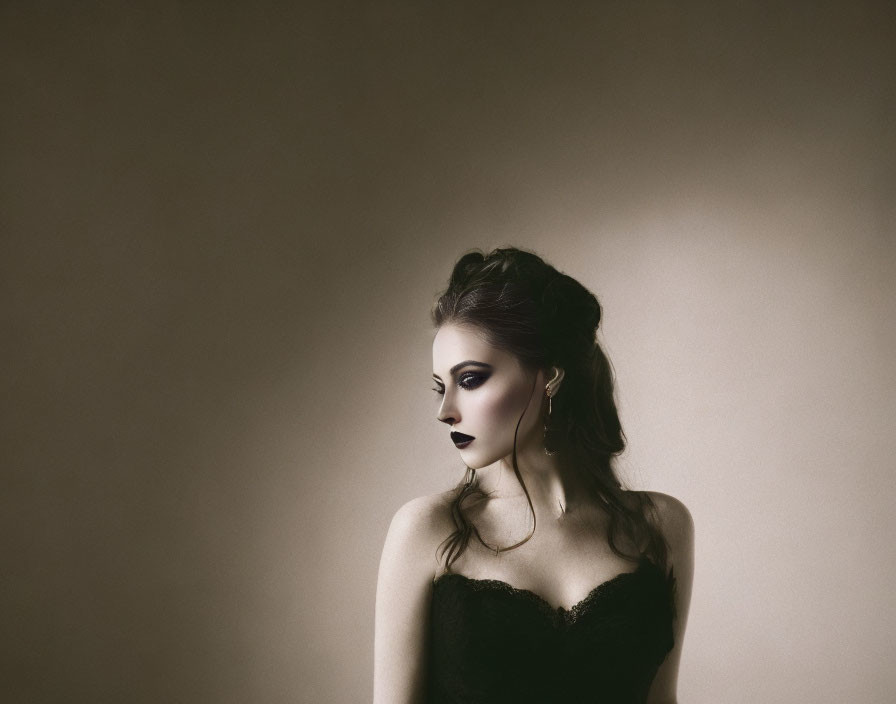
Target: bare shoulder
x=419, y=526
x=677, y=526
x=403, y=593
x=425, y=514
x=675, y=519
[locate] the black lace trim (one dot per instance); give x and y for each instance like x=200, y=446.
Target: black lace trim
x=567, y=616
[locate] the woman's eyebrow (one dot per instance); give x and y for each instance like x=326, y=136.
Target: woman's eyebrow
x=461, y=365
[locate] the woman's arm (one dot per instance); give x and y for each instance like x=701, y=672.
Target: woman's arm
x=677, y=527
x=403, y=594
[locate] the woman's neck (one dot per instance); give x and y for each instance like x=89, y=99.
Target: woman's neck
x=555, y=488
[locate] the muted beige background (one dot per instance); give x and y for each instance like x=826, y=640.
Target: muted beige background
x=222, y=229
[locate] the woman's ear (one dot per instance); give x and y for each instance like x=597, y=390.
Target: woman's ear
x=556, y=377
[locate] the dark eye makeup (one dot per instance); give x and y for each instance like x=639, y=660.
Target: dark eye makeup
x=466, y=381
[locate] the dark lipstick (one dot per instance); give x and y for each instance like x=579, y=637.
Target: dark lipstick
x=461, y=440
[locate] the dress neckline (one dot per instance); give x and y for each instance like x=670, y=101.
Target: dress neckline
x=569, y=614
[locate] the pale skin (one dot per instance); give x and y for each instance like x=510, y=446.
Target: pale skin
x=566, y=557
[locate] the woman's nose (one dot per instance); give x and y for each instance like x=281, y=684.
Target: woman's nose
x=447, y=414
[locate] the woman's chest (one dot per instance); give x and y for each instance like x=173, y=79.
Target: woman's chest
x=560, y=564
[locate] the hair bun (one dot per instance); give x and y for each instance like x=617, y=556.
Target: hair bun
x=466, y=269
x=568, y=313
x=566, y=300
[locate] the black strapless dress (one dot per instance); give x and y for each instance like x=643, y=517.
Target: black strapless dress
x=493, y=643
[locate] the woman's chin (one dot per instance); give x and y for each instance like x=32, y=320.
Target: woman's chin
x=474, y=460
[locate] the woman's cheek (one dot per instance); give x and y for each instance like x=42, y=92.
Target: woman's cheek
x=501, y=406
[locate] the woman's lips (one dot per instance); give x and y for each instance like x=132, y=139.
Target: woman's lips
x=460, y=440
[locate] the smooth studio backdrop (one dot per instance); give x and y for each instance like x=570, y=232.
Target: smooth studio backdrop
x=223, y=226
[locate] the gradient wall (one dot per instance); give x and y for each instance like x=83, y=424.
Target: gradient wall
x=222, y=228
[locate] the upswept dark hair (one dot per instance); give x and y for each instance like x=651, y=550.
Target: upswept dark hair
x=523, y=305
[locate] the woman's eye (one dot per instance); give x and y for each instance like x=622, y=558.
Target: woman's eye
x=470, y=381
x=466, y=381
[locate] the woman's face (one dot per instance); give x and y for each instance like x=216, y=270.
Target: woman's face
x=484, y=391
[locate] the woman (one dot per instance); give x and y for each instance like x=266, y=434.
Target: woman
x=473, y=603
